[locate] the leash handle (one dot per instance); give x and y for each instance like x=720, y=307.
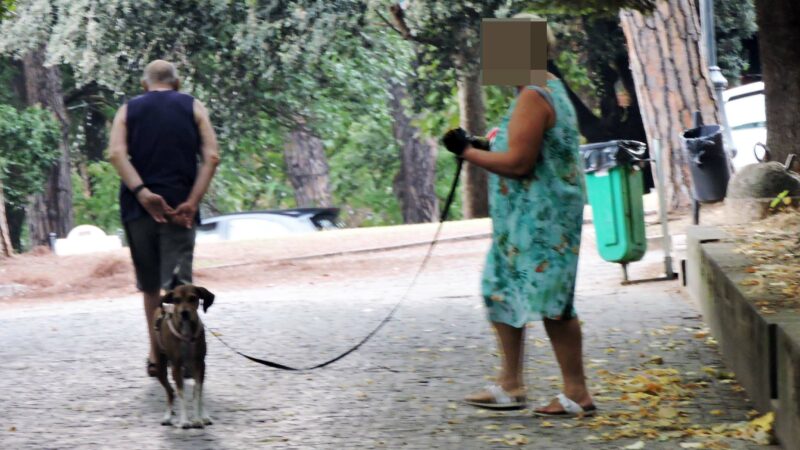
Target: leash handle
x=451, y=196
x=445, y=213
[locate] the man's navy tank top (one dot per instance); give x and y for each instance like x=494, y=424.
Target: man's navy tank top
x=164, y=146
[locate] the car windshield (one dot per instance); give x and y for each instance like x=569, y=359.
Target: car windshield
x=746, y=111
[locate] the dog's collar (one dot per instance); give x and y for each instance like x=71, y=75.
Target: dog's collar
x=180, y=336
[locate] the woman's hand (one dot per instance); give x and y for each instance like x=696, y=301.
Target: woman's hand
x=458, y=140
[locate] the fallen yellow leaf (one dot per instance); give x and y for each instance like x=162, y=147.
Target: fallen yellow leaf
x=515, y=439
x=764, y=422
x=667, y=413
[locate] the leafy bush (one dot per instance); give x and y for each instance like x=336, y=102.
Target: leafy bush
x=100, y=207
x=28, y=148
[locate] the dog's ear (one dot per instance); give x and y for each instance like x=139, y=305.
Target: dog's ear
x=206, y=295
x=168, y=297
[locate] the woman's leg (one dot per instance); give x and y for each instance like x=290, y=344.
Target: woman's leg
x=511, y=343
x=567, y=341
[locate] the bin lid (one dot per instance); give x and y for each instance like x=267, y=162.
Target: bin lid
x=702, y=132
x=607, y=155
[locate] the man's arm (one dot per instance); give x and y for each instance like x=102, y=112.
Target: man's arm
x=118, y=155
x=209, y=152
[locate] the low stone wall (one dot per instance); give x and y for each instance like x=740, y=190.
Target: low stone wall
x=762, y=349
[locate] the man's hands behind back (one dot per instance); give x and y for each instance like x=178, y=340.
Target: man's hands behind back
x=161, y=212
x=184, y=214
x=155, y=205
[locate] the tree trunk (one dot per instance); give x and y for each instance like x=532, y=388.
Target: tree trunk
x=670, y=71
x=95, y=128
x=473, y=119
x=50, y=211
x=15, y=218
x=5, y=234
x=307, y=168
x=415, y=184
x=779, y=22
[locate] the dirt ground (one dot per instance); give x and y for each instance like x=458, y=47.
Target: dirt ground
x=45, y=277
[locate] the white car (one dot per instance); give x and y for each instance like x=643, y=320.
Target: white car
x=267, y=224
x=747, y=119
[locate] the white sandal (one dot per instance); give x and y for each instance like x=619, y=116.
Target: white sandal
x=571, y=409
x=500, y=399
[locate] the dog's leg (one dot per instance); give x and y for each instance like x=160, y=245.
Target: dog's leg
x=177, y=376
x=161, y=363
x=201, y=418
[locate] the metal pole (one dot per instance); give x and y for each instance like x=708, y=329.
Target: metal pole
x=662, y=210
x=717, y=79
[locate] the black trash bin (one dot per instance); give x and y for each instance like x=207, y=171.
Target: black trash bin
x=708, y=164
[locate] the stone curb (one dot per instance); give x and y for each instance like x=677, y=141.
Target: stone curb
x=763, y=350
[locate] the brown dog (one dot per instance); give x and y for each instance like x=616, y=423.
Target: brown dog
x=182, y=343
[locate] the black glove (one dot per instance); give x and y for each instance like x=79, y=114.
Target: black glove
x=457, y=140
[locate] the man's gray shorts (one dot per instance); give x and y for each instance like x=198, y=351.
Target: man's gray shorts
x=158, y=250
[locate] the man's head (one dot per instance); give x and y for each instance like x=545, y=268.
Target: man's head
x=160, y=75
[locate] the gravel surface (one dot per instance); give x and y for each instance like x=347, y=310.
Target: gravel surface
x=73, y=372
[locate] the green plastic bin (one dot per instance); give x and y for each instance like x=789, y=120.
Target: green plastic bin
x=615, y=186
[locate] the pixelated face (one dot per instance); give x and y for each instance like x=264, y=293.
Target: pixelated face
x=513, y=52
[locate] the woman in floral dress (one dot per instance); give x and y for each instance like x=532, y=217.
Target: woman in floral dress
x=536, y=196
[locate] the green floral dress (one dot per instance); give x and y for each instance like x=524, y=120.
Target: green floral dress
x=531, y=267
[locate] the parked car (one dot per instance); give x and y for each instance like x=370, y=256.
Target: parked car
x=747, y=118
x=267, y=224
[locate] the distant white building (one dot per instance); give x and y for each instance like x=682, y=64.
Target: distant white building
x=86, y=239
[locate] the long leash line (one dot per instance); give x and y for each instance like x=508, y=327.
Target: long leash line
x=428, y=254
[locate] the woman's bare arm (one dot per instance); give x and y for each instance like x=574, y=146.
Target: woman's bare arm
x=531, y=117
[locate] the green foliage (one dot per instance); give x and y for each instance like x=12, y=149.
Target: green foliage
x=251, y=175
x=575, y=72
x=100, y=207
x=28, y=148
x=734, y=20
x=590, y=6
x=781, y=200
x=6, y=7
x=363, y=168
x=8, y=73
x=263, y=65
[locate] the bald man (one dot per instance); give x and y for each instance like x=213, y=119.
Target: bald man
x=165, y=150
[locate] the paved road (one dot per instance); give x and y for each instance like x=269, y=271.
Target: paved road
x=73, y=373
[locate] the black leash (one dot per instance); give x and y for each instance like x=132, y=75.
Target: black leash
x=445, y=212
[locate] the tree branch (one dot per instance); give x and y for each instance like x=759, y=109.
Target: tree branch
x=400, y=21
x=388, y=23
